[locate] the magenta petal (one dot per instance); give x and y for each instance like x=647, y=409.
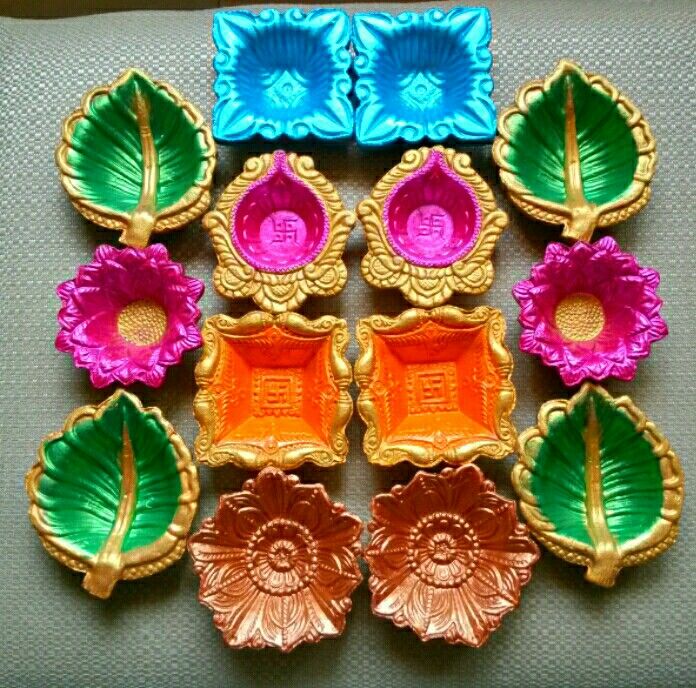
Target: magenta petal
x=92, y=302
x=630, y=309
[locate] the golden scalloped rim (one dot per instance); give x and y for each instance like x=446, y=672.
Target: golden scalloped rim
x=141, y=562
x=383, y=268
x=191, y=206
x=426, y=455
x=636, y=551
x=254, y=456
x=555, y=213
x=275, y=292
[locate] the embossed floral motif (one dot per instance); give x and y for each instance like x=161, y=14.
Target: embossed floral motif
x=431, y=225
x=128, y=315
x=279, y=230
x=278, y=563
x=447, y=556
x=590, y=310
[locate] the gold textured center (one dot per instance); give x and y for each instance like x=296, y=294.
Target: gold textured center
x=579, y=317
x=142, y=322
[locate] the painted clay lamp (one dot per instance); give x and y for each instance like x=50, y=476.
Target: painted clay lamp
x=574, y=151
x=278, y=563
x=273, y=390
x=447, y=556
x=431, y=225
x=598, y=483
x=423, y=76
x=279, y=230
x=129, y=315
x=282, y=74
x=113, y=495
x=590, y=311
x=435, y=385
x=137, y=158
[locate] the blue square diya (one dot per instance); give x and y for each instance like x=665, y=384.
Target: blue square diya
x=282, y=74
x=423, y=76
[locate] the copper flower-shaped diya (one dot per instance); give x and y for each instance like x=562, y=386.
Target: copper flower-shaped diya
x=447, y=557
x=435, y=386
x=273, y=390
x=279, y=230
x=278, y=563
x=431, y=225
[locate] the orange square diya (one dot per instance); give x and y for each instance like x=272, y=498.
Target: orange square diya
x=435, y=385
x=273, y=390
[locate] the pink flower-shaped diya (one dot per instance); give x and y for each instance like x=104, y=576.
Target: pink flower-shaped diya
x=279, y=230
x=278, y=563
x=447, y=557
x=431, y=225
x=128, y=315
x=590, y=310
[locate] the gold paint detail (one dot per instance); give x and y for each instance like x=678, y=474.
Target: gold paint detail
x=426, y=287
x=576, y=223
x=632, y=553
x=142, y=221
x=142, y=322
x=136, y=563
x=107, y=567
x=579, y=317
x=326, y=275
x=583, y=214
x=605, y=565
x=191, y=206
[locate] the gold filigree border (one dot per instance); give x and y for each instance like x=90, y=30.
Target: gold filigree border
x=257, y=456
x=141, y=562
x=383, y=268
x=188, y=208
x=634, y=552
x=384, y=453
x=326, y=275
x=557, y=214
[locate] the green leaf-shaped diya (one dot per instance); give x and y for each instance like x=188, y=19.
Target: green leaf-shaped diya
x=574, y=151
x=136, y=157
x=598, y=483
x=113, y=494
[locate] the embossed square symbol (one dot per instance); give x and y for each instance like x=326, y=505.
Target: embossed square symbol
x=277, y=392
x=432, y=387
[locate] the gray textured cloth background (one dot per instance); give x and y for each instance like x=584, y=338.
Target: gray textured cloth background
x=154, y=632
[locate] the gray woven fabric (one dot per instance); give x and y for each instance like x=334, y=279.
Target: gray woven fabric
x=154, y=632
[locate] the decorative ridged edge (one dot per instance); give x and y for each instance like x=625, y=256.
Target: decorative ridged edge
x=190, y=207
x=556, y=214
x=383, y=268
x=256, y=456
x=144, y=561
x=635, y=552
x=425, y=456
x=326, y=275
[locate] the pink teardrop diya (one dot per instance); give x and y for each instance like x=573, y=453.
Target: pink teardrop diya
x=431, y=225
x=279, y=224
x=432, y=217
x=279, y=230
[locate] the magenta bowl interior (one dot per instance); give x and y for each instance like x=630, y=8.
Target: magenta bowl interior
x=432, y=217
x=279, y=224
